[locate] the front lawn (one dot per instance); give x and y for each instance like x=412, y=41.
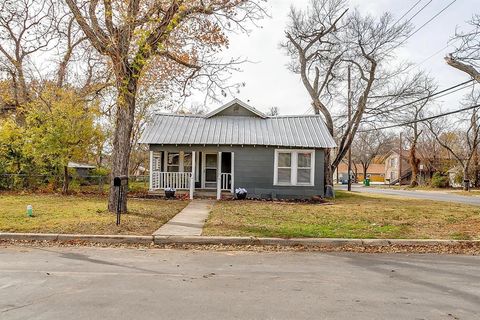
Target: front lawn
x=471, y=193
x=82, y=214
x=458, y=191
x=350, y=215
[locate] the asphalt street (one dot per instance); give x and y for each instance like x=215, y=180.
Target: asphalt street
x=113, y=283
x=416, y=194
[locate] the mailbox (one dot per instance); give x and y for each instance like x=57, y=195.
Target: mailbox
x=120, y=181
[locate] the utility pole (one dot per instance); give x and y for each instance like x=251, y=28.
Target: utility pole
x=349, y=119
x=400, y=160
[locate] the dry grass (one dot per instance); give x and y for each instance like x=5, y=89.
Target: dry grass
x=471, y=193
x=82, y=214
x=458, y=191
x=350, y=215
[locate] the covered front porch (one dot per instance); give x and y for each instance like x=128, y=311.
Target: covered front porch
x=192, y=171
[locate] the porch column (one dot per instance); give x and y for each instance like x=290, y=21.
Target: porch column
x=192, y=178
x=150, y=180
x=219, y=176
x=233, y=173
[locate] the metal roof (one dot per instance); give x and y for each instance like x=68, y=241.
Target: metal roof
x=282, y=131
x=79, y=165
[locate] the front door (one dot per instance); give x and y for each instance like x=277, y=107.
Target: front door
x=210, y=167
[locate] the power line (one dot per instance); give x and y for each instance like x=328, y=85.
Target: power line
x=417, y=30
x=422, y=120
x=398, y=20
x=426, y=97
x=441, y=93
x=432, y=55
x=419, y=11
x=423, y=25
x=428, y=21
x=411, y=8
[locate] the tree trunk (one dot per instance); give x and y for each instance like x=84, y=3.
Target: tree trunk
x=328, y=170
x=125, y=114
x=66, y=180
x=24, y=94
x=476, y=165
x=414, y=162
x=365, y=169
x=466, y=180
x=20, y=92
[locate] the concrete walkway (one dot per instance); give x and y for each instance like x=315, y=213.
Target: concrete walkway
x=189, y=221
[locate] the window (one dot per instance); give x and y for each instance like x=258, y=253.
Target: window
x=173, y=162
x=304, y=167
x=294, y=167
x=393, y=162
x=284, y=167
x=178, y=161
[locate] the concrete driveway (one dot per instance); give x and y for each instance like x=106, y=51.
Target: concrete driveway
x=94, y=283
x=416, y=194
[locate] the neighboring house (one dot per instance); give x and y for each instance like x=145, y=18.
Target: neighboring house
x=341, y=173
x=237, y=146
x=392, y=167
x=427, y=167
x=453, y=175
x=82, y=169
x=375, y=172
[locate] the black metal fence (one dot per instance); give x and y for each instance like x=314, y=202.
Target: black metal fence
x=81, y=184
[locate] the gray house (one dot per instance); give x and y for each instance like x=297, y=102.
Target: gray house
x=237, y=146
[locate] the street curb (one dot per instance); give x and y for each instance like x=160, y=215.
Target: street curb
x=220, y=240
x=77, y=237
x=306, y=242
x=128, y=239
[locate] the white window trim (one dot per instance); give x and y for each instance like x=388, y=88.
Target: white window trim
x=294, y=167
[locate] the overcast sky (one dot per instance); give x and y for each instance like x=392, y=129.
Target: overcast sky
x=269, y=83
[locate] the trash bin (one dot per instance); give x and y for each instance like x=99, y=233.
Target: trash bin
x=367, y=182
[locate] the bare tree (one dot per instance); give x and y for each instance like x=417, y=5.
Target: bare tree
x=466, y=56
x=461, y=139
x=323, y=41
x=26, y=28
x=134, y=33
x=368, y=145
x=421, y=87
x=273, y=112
x=71, y=39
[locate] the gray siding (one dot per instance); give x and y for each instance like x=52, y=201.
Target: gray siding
x=254, y=170
x=236, y=110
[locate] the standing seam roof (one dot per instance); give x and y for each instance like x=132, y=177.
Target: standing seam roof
x=284, y=131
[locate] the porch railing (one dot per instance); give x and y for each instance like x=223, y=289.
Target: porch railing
x=177, y=180
x=226, y=181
